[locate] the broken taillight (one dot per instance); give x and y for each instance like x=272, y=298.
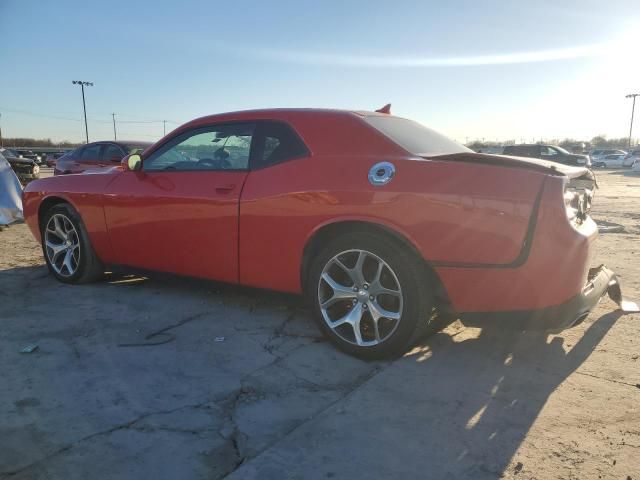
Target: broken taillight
x=577, y=201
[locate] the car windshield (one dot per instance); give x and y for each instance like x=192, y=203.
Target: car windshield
x=414, y=137
x=562, y=150
x=10, y=153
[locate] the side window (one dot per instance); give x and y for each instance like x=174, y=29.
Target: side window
x=277, y=142
x=221, y=147
x=547, y=151
x=90, y=152
x=112, y=153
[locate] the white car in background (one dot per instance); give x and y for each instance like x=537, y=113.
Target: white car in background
x=632, y=157
x=615, y=160
x=600, y=153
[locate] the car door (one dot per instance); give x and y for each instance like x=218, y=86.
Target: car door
x=532, y=151
x=613, y=160
x=88, y=157
x=179, y=213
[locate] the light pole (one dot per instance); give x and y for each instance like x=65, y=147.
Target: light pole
x=1, y=144
x=633, y=107
x=115, y=138
x=84, y=105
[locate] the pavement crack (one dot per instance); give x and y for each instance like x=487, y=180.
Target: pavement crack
x=354, y=387
x=280, y=332
x=609, y=379
x=108, y=431
x=230, y=431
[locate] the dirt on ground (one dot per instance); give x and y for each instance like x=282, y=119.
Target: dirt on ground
x=153, y=376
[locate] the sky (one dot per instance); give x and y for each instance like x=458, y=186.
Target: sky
x=493, y=70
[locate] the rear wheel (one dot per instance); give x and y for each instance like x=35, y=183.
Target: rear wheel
x=368, y=295
x=66, y=247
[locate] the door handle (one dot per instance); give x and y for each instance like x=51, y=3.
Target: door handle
x=225, y=188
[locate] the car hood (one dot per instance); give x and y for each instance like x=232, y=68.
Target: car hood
x=25, y=161
x=534, y=164
x=102, y=170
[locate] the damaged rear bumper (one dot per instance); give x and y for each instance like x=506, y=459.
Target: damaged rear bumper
x=601, y=280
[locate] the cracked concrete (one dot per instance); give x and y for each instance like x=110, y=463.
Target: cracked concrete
x=129, y=382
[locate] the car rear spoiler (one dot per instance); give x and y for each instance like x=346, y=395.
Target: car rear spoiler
x=534, y=164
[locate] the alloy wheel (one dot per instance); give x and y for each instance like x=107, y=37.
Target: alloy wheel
x=62, y=245
x=360, y=297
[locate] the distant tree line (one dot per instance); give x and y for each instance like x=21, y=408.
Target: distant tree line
x=36, y=142
x=600, y=141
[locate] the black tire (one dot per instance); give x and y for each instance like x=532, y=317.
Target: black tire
x=89, y=267
x=417, y=294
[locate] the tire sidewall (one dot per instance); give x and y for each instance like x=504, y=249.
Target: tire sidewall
x=85, y=245
x=417, y=299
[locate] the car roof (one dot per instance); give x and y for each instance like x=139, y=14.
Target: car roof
x=279, y=114
x=122, y=143
x=334, y=122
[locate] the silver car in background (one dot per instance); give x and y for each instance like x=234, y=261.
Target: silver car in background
x=633, y=157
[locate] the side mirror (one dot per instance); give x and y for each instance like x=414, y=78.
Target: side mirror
x=133, y=162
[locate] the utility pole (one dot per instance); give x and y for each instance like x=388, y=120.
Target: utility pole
x=84, y=105
x=633, y=108
x=115, y=137
x=1, y=144
x=164, y=127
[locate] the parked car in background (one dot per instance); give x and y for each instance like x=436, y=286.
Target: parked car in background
x=52, y=158
x=96, y=155
x=377, y=219
x=547, y=152
x=10, y=194
x=10, y=152
x=614, y=160
x=631, y=157
x=22, y=153
x=26, y=169
x=599, y=153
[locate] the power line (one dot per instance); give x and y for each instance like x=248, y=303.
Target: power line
x=92, y=119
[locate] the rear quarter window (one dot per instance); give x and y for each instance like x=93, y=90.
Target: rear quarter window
x=277, y=142
x=414, y=137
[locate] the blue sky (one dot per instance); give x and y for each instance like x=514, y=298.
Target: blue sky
x=494, y=70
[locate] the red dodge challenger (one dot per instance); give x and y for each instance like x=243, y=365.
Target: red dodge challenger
x=379, y=220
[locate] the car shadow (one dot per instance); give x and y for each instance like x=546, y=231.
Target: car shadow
x=490, y=388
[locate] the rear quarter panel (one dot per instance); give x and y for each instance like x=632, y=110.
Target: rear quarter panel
x=84, y=192
x=450, y=211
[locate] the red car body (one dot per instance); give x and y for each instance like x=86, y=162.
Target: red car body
x=494, y=229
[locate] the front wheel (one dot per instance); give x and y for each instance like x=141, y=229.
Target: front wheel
x=368, y=295
x=66, y=247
